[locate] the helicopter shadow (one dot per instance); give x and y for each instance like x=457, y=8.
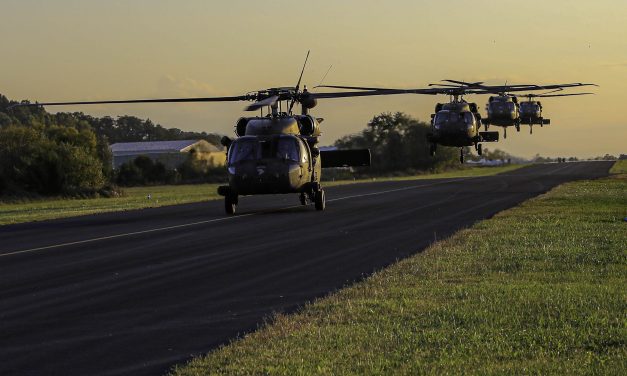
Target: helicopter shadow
x=295, y=209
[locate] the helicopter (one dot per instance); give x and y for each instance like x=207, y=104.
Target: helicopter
x=275, y=153
x=531, y=110
x=503, y=109
x=456, y=123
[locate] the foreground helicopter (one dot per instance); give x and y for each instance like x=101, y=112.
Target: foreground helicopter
x=456, y=123
x=275, y=153
x=503, y=109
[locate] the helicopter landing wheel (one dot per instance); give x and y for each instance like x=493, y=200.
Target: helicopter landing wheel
x=461, y=155
x=320, y=200
x=303, y=198
x=504, y=132
x=530, y=129
x=517, y=127
x=479, y=151
x=432, y=149
x=230, y=204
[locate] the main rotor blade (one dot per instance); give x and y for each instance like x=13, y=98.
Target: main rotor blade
x=552, y=91
x=517, y=87
x=561, y=95
x=388, y=91
x=469, y=84
x=160, y=100
x=270, y=101
x=453, y=90
x=575, y=84
x=353, y=87
x=558, y=87
x=547, y=95
x=449, y=85
x=365, y=93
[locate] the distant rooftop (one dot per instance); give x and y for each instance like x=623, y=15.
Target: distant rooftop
x=159, y=146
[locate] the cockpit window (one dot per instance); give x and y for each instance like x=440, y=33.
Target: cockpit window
x=446, y=117
x=288, y=148
x=243, y=150
x=251, y=149
x=469, y=118
x=529, y=106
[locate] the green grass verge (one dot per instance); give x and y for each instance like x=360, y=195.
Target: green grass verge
x=619, y=167
x=136, y=198
x=133, y=198
x=537, y=289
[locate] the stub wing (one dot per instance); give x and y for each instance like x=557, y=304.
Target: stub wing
x=489, y=136
x=345, y=158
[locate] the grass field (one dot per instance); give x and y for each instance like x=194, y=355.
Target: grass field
x=136, y=198
x=537, y=289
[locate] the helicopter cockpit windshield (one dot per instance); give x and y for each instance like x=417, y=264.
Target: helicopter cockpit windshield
x=253, y=149
x=447, y=117
x=287, y=148
x=529, y=107
x=243, y=149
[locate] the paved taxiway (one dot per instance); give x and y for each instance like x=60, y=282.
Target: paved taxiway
x=136, y=292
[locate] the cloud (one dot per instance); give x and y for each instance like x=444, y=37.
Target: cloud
x=184, y=87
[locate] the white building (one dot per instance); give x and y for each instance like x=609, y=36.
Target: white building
x=170, y=153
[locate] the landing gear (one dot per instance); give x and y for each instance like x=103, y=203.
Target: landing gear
x=478, y=149
x=303, y=198
x=530, y=129
x=320, y=199
x=517, y=126
x=505, y=132
x=485, y=126
x=432, y=148
x=461, y=155
x=230, y=203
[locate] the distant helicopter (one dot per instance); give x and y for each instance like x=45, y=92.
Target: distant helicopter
x=275, y=153
x=456, y=123
x=531, y=110
x=503, y=109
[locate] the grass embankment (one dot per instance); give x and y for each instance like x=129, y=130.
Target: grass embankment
x=619, y=167
x=136, y=198
x=537, y=289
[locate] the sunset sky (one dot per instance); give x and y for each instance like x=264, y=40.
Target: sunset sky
x=97, y=50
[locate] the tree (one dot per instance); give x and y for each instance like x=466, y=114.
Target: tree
x=61, y=164
x=398, y=143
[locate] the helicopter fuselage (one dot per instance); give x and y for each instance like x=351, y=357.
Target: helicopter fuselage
x=455, y=125
x=271, y=164
x=274, y=154
x=502, y=111
x=531, y=113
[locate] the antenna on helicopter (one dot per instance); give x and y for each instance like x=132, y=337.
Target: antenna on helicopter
x=298, y=83
x=325, y=75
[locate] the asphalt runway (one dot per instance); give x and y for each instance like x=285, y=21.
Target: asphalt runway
x=136, y=292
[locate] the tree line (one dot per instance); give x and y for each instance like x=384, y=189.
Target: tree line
x=68, y=153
